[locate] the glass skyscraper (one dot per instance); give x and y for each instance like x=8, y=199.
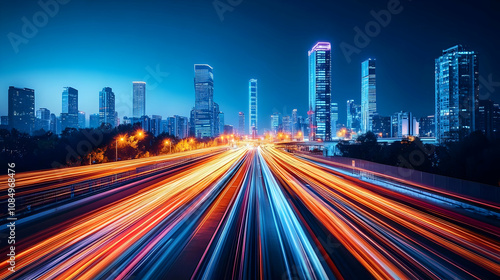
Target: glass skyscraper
x=252, y=101
x=107, y=106
x=335, y=117
x=203, y=117
x=241, y=123
x=368, y=94
x=320, y=91
x=69, y=111
x=21, y=109
x=457, y=92
x=139, y=99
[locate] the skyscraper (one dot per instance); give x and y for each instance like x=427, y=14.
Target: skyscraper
x=241, y=123
x=403, y=124
x=275, y=123
x=202, y=116
x=252, y=101
x=22, y=109
x=320, y=91
x=94, y=121
x=295, y=124
x=69, y=113
x=221, y=122
x=334, y=118
x=216, y=120
x=82, y=120
x=107, y=106
x=457, y=91
x=287, y=124
x=368, y=94
x=42, y=119
x=139, y=99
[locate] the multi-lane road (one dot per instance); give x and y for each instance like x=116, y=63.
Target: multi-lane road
x=247, y=213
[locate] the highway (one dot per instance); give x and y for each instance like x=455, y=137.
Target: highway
x=248, y=213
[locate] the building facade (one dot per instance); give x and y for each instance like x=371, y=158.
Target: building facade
x=204, y=116
x=107, y=107
x=21, y=109
x=368, y=94
x=241, y=123
x=252, y=112
x=320, y=91
x=456, y=93
x=139, y=99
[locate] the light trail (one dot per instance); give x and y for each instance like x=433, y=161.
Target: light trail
x=255, y=213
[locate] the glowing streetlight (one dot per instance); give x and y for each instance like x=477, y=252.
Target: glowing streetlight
x=169, y=143
x=116, y=147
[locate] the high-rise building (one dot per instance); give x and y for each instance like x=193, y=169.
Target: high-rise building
x=94, y=121
x=145, y=123
x=221, y=122
x=334, y=114
x=69, y=113
x=82, y=120
x=177, y=126
x=295, y=124
x=353, y=116
x=275, y=123
x=21, y=109
x=216, y=120
x=228, y=129
x=107, y=107
x=241, y=123
x=427, y=126
x=484, y=117
x=457, y=91
x=139, y=99
x=53, y=123
x=4, y=121
x=203, y=119
x=155, y=126
x=287, y=124
x=252, y=101
x=368, y=94
x=381, y=126
x=403, y=124
x=42, y=119
x=320, y=91
x=181, y=127
x=496, y=121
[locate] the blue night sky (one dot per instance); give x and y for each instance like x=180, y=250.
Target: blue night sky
x=91, y=44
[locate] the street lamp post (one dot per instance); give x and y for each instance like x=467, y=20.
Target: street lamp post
x=170, y=143
x=116, y=148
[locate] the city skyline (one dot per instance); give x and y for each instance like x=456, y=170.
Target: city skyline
x=169, y=77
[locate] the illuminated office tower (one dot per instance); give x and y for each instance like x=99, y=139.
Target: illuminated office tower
x=252, y=95
x=368, y=94
x=241, y=123
x=69, y=113
x=139, y=99
x=21, y=109
x=456, y=93
x=320, y=91
x=107, y=107
x=203, y=119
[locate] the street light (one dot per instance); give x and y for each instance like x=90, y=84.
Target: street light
x=116, y=148
x=169, y=143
